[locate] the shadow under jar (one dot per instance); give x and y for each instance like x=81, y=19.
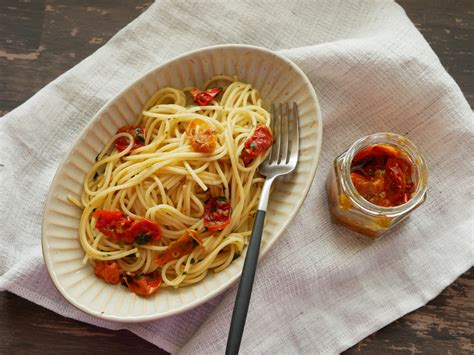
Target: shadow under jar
x=347, y=204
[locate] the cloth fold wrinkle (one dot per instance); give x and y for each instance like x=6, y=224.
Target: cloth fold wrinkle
x=321, y=288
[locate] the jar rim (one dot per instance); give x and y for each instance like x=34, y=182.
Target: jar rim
x=407, y=147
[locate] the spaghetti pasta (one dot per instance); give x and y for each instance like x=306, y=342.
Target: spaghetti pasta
x=171, y=197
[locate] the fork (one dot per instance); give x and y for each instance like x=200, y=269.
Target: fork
x=281, y=160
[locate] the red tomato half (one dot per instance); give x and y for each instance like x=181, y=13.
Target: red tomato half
x=143, y=285
x=363, y=185
x=112, y=224
x=138, y=134
x=379, y=150
x=382, y=175
x=202, y=137
x=182, y=246
x=119, y=227
x=142, y=231
x=257, y=144
x=110, y=271
x=398, y=184
x=217, y=214
x=204, y=97
x=371, y=189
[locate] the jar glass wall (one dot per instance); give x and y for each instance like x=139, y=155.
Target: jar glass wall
x=349, y=208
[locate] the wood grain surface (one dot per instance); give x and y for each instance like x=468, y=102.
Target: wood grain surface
x=41, y=39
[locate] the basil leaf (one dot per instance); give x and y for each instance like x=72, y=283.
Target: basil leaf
x=139, y=134
x=142, y=238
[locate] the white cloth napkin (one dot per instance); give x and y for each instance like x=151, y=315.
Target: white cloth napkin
x=321, y=288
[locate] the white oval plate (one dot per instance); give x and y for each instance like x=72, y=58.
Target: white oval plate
x=278, y=80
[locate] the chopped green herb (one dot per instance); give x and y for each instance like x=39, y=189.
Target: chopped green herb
x=139, y=134
x=221, y=199
x=253, y=146
x=143, y=238
x=129, y=278
x=184, y=273
x=139, y=276
x=108, y=254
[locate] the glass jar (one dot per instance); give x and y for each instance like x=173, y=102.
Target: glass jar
x=352, y=210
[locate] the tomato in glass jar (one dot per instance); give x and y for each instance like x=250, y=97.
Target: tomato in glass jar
x=382, y=175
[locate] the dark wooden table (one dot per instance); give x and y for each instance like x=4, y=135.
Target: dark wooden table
x=40, y=39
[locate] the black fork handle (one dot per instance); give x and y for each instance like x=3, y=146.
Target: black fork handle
x=244, y=292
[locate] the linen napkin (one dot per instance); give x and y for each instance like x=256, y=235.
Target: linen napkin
x=321, y=288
